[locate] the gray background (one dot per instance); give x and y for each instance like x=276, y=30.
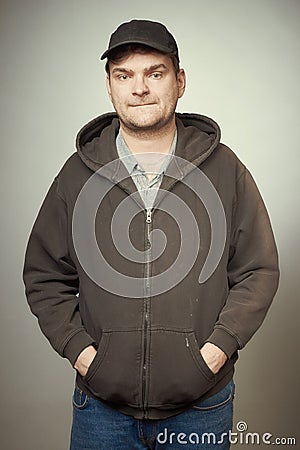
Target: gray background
x=242, y=63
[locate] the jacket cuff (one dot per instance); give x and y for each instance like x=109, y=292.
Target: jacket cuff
x=225, y=341
x=76, y=344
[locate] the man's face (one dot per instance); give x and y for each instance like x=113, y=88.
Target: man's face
x=144, y=90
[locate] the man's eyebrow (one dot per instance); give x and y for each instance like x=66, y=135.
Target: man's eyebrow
x=156, y=67
x=121, y=70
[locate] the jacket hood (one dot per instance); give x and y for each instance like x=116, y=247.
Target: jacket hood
x=198, y=136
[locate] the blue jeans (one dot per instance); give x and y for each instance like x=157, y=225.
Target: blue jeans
x=206, y=425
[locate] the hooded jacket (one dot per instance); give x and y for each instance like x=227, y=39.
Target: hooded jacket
x=201, y=266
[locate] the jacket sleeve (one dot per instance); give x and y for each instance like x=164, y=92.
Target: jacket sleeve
x=51, y=279
x=252, y=270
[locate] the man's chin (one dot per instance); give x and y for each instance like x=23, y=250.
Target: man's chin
x=142, y=126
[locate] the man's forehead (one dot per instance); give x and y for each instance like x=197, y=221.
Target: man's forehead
x=143, y=61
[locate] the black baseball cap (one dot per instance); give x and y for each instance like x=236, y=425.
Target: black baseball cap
x=146, y=32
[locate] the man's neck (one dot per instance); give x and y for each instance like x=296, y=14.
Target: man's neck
x=146, y=142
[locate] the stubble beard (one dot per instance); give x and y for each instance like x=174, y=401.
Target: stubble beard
x=148, y=127
x=143, y=129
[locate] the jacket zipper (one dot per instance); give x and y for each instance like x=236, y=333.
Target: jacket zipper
x=146, y=323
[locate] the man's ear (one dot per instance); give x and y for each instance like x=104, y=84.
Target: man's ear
x=181, y=82
x=108, y=86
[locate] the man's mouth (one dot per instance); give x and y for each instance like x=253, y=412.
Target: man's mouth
x=141, y=104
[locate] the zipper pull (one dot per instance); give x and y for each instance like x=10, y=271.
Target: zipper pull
x=149, y=215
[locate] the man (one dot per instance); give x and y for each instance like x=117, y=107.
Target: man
x=152, y=261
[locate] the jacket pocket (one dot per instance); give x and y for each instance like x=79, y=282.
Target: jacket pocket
x=114, y=372
x=178, y=372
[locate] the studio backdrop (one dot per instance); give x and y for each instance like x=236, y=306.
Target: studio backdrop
x=242, y=63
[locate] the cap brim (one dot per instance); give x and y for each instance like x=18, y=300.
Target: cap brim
x=155, y=46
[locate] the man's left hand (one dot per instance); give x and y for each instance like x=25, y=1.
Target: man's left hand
x=214, y=357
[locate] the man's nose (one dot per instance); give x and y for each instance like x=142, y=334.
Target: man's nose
x=140, y=86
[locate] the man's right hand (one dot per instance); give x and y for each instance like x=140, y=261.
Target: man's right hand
x=85, y=359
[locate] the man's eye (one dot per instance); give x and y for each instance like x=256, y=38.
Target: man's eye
x=123, y=77
x=156, y=75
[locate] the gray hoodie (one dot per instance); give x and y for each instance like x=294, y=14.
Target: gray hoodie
x=97, y=270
